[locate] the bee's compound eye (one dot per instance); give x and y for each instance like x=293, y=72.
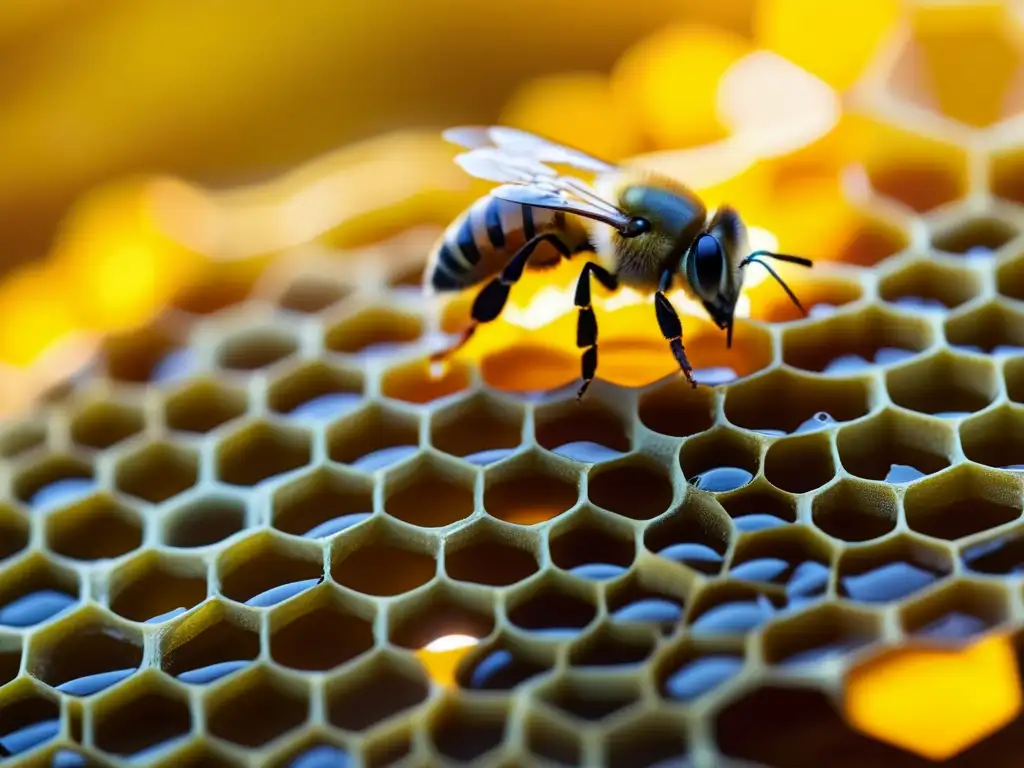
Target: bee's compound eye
x=636, y=227
x=708, y=265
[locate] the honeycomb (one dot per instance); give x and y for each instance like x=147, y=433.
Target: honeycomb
x=261, y=530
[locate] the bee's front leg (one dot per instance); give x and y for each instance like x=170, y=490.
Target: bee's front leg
x=671, y=327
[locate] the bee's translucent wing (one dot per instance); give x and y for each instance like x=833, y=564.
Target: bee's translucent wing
x=562, y=198
x=494, y=165
x=517, y=143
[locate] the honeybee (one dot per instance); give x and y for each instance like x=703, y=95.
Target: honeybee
x=648, y=231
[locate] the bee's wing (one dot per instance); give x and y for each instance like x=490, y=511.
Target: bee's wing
x=563, y=195
x=516, y=143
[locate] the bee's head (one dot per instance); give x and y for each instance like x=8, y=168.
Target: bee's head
x=716, y=284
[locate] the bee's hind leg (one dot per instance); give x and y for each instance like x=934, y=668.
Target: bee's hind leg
x=586, y=320
x=671, y=327
x=489, y=303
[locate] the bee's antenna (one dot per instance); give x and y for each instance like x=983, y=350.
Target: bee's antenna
x=728, y=333
x=756, y=258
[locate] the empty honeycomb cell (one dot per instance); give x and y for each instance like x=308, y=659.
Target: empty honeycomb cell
x=503, y=663
x=592, y=546
x=799, y=403
x=96, y=528
x=374, y=331
x=821, y=293
x=796, y=558
x=613, y=647
x=821, y=633
x=649, y=596
x=547, y=738
x=1000, y=554
x=202, y=406
x=223, y=285
x=1013, y=375
x=730, y=609
x=1006, y=173
x=465, y=732
x=416, y=382
x=321, y=503
x=88, y=652
x=895, y=447
x=34, y=590
x=377, y=689
x=530, y=489
x=210, y=643
x=143, y=718
x=429, y=493
x=944, y=384
x=552, y=606
x=490, y=554
x=256, y=707
x=264, y=569
x=441, y=611
x=855, y=511
x=924, y=284
x=848, y=344
x=695, y=534
x=892, y=569
x=20, y=438
x=964, y=501
x=992, y=328
x=316, y=391
x=154, y=587
x=14, y=532
x=686, y=671
x=871, y=240
x=157, y=472
x=261, y=450
x=648, y=740
x=28, y=719
x=995, y=438
x=800, y=464
x=254, y=348
x=310, y=294
x=1010, y=279
x=375, y=437
x=677, y=409
x=918, y=171
x=320, y=631
x=102, y=424
x=721, y=460
x=956, y=611
x=380, y=560
x=635, y=487
x=54, y=480
x=978, y=236
x=141, y=355
x=771, y=724
x=204, y=520
x=577, y=695
x=589, y=431
x=759, y=506
x=481, y=429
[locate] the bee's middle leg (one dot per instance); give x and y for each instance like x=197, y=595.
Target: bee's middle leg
x=671, y=327
x=490, y=302
x=586, y=320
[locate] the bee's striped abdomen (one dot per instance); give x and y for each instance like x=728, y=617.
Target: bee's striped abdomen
x=478, y=244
